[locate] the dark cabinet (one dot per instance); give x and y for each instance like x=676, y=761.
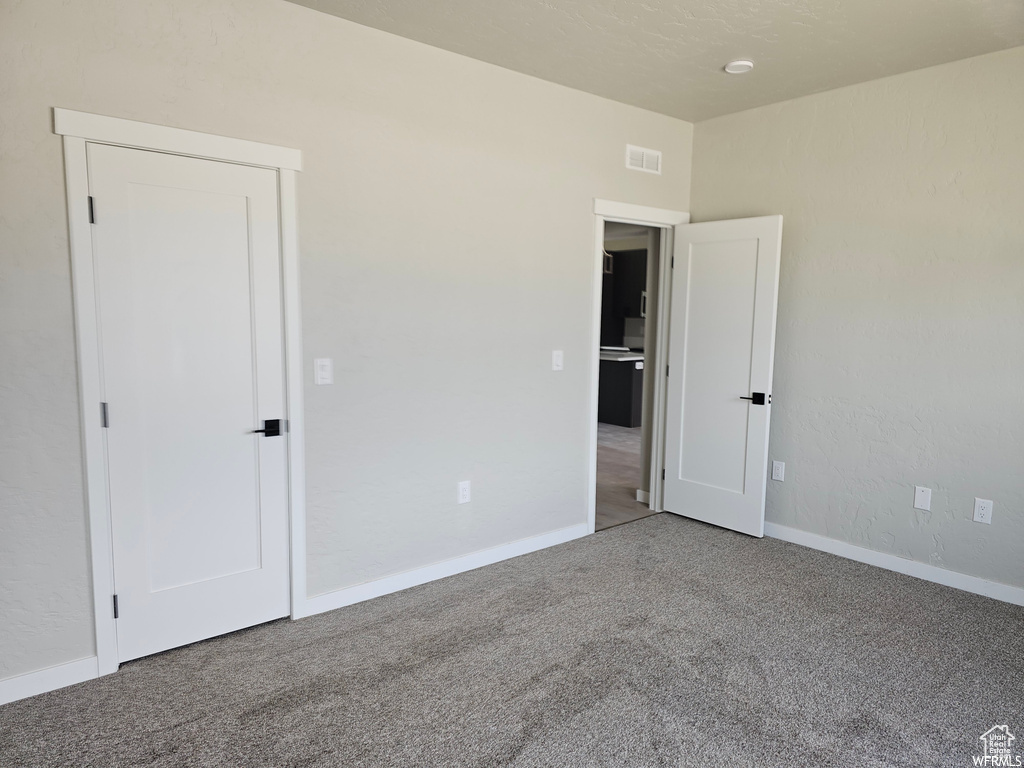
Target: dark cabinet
x=620, y=393
x=621, y=387
x=622, y=294
x=632, y=282
x=613, y=327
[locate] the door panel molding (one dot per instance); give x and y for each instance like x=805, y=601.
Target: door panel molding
x=79, y=129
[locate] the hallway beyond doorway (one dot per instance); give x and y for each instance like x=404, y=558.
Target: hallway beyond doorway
x=618, y=474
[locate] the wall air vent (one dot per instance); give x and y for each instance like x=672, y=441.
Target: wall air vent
x=640, y=159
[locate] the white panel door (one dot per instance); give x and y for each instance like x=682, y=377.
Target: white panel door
x=187, y=257
x=725, y=286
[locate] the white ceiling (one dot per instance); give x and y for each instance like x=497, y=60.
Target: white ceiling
x=668, y=56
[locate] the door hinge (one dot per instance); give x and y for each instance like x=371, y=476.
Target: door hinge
x=115, y=607
x=104, y=417
x=671, y=265
x=92, y=211
x=662, y=473
x=666, y=370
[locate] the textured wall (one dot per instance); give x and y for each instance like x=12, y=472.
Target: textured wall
x=446, y=231
x=900, y=347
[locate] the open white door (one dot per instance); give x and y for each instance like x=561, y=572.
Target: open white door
x=725, y=287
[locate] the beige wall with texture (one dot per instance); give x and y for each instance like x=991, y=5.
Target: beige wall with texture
x=900, y=346
x=446, y=235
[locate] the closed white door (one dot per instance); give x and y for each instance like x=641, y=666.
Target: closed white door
x=725, y=286
x=187, y=261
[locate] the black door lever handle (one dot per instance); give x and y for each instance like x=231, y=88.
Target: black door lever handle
x=271, y=428
x=757, y=398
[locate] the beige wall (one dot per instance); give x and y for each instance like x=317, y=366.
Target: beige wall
x=900, y=347
x=446, y=232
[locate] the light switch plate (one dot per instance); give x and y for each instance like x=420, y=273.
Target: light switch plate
x=922, y=498
x=323, y=370
x=464, y=492
x=557, y=360
x=779, y=471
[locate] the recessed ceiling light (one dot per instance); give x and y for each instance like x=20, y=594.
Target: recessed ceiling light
x=739, y=66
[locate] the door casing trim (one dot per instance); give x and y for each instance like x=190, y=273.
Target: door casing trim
x=77, y=130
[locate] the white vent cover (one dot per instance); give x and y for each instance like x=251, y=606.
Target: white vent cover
x=640, y=159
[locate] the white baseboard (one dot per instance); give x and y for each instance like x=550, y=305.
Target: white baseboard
x=644, y=497
x=979, y=586
x=49, y=679
x=357, y=594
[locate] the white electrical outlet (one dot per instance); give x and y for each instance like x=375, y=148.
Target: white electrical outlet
x=323, y=370
x=922, y=498
x=557, y=360
x=779, y=471
x=464, y=492
x=983, y=511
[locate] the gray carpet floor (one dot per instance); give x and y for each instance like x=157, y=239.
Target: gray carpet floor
x=665, y=642
x=618, y=476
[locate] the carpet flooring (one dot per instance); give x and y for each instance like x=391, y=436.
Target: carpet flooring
x=665, y=642
x=618, y=476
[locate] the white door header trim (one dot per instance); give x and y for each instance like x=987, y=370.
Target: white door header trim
x=639, y=214
x=131, y=133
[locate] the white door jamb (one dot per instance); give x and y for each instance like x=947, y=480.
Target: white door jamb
x=656, y=496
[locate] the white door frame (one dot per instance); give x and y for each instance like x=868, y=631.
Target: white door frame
x=661, y=218
x=78, y=129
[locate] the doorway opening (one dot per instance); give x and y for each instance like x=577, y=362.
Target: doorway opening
x=628, y=332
